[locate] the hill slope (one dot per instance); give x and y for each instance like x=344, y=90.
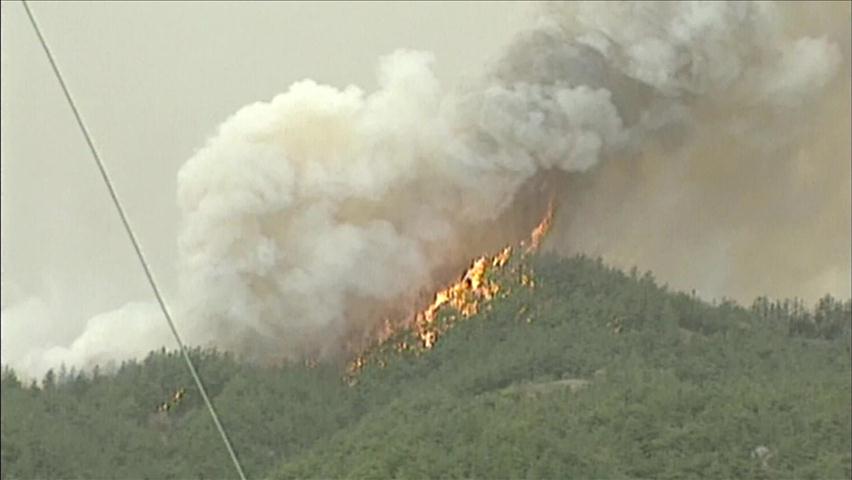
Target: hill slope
x=591, y=373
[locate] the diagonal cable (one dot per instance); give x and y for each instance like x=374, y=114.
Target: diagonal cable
x=135, y=243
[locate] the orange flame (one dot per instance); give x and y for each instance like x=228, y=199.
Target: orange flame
x=540, y=231
x=466, y=296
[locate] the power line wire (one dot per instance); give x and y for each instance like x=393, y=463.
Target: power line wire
x=135, y=242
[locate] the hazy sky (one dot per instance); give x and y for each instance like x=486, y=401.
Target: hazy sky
x=152, y=81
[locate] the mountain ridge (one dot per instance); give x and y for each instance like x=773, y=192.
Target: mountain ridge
x=677, y=387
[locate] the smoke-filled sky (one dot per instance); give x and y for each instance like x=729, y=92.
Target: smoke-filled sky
x=706, y=142
x=153, y=81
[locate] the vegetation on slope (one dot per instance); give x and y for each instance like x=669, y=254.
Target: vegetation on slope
x=593, y=373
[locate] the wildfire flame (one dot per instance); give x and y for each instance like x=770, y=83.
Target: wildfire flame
x=466, y=296
x=541, y=230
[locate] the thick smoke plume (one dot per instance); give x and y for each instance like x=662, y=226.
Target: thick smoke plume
x=705, y=141
x=307, y=216
x=751, y=194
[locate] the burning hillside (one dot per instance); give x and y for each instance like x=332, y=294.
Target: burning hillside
x=308, y=217
x=462, y=299
x=678, y=134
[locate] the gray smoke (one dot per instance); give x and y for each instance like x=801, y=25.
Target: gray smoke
x=706, y=141
x=304, y=211
x=750, y=194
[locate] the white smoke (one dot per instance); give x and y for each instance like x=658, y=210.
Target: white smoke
x=130, y=331
x=308, y=218
x=303, y=208
x=321, y=200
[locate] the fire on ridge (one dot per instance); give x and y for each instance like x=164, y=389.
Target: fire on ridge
x=465, y=297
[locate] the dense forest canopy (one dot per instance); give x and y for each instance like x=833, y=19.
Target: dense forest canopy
x=590, y=373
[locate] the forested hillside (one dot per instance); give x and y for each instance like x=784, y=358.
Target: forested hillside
x=586, y=372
